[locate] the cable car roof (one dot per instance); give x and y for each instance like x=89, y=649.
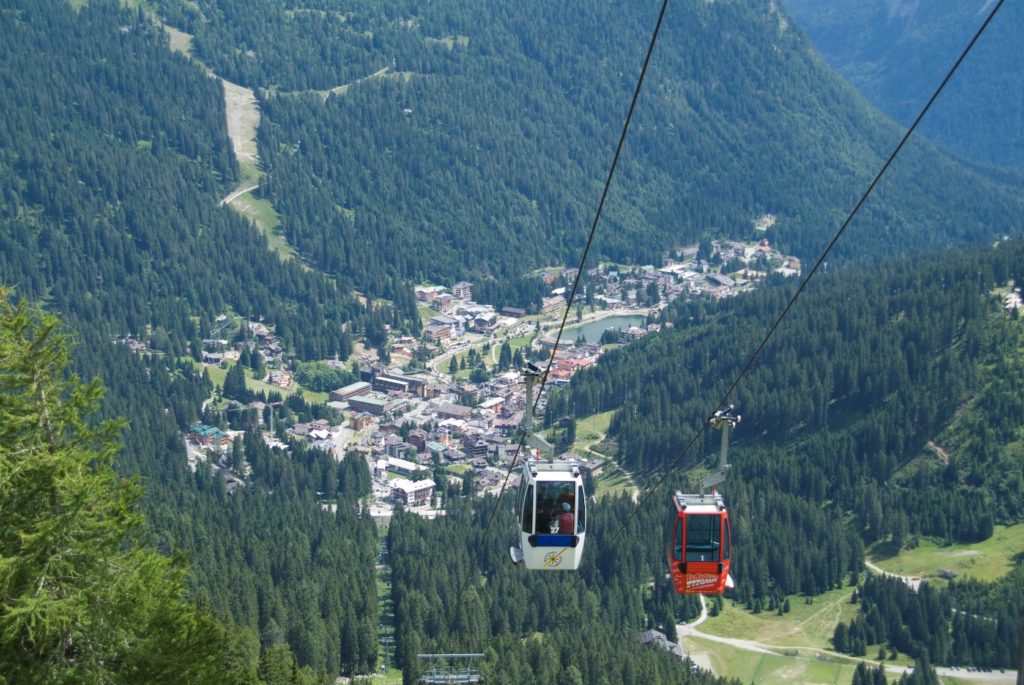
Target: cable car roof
x=700, y=504
x=554, y=470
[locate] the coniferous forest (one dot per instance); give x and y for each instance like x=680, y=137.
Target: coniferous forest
x=863, y=40
x=406, y=142
x=868, y=368
x=478, y=151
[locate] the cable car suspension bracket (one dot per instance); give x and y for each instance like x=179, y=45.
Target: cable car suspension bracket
x=723, y=419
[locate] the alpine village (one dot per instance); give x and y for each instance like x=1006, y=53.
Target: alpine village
x=516, y=342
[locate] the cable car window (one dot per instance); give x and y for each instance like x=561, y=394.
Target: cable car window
x=552, y=515
x=677, y=539
x=581, y=525
x=727, y=541
x=528, y=510
x=703, y=533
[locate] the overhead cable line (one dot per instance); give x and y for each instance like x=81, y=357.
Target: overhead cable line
x=803, y=285
x=572, y=295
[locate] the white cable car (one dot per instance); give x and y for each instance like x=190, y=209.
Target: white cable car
x=551, y=506
x=552, y=510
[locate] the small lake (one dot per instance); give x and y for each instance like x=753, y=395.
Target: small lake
x=592, y=331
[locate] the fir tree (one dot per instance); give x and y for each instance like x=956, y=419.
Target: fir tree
x=81, y=599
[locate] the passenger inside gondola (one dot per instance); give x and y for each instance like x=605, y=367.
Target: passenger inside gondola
x=566, y=521
x=551, y=496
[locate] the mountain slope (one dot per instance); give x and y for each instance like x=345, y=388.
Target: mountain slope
x=895, y=53
x=110, y=178
x=480, y=152
x=838, y=409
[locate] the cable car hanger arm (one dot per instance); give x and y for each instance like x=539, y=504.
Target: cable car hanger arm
x=723, y=419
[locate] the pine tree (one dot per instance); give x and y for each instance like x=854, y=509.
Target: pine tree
x=234, y=384
x=81, y=600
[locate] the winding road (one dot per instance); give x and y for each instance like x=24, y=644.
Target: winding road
x=235, y=193
x=703, y=659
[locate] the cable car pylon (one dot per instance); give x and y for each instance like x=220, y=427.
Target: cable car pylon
x=701, y=538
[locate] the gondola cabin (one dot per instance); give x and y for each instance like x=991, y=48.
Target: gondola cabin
x=552, y=516
x=698, y=554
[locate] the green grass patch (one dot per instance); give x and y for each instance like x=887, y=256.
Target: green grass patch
x=806, y=625
x=314, y=397
x=591, y=428
x=391, y=677
x=218, y=373
x=262, y=213
x=426, y=313
x=458, y=469
x=988, y=560
x=448, y=42
x=249, y=172
x=768, y=669
x=521, y=342
x=180, y=41
x=612, y=481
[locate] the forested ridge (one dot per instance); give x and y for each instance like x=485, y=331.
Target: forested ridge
x=480, y=152
x=267, y=557
x=110, y=179
x=895, y=52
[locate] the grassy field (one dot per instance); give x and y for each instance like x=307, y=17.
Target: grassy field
x=797, y=667
x=796, y=637
x=612, y=481
x=987, y=560
x=392, y=677
x=751, y=667
x=806, y=625
x=521, y=342
x=261, y=212
x=217, y=375
x=591, y=429
x=179, y=40
x=449, y=41
x=426, y=313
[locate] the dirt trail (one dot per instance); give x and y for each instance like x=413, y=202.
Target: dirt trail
x=235, y=193
x=243, y=114
x=243, y=117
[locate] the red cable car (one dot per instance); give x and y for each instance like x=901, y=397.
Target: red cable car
x=698, y=556
x=701, y=537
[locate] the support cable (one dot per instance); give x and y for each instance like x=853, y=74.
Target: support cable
x=572, y=295
x=803, y=285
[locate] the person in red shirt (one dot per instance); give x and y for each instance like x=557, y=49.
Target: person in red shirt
x=566, y=521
